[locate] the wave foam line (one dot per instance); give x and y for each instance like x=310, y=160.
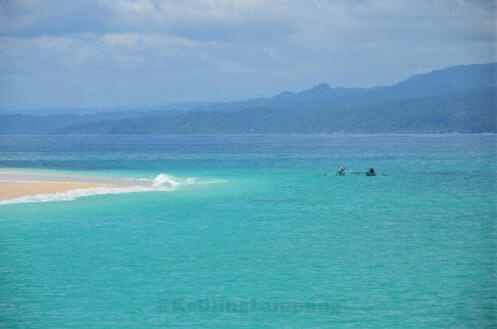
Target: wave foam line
x=161, y=182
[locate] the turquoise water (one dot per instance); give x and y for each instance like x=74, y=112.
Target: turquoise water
x=271, y=238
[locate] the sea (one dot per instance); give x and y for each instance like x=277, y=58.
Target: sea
x=254, y=231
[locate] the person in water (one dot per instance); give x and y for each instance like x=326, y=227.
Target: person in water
x=369, y=172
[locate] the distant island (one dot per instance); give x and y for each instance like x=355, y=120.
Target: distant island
x=457, y=99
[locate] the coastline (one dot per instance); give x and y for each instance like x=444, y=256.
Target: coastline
x=17, y=189
x=19, y=184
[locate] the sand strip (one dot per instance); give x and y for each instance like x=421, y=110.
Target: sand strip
x=16, y=189
x=33, y=176
x=16, y=184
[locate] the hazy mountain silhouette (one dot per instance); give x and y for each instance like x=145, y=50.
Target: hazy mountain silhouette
x=456, y=99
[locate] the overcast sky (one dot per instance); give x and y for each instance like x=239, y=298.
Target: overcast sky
x=100, y=53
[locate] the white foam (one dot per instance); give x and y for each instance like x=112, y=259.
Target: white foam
x=168, y=180
x=161, y=182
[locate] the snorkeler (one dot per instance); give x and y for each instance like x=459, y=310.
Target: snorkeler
x=340, y=171
x=370, y=172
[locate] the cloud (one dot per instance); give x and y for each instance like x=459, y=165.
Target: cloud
x=221, y=49
x=124, y=39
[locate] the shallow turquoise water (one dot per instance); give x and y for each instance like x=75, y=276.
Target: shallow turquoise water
x=414, y=249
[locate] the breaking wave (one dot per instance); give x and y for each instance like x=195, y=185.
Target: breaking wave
x=168, y=180
x=161, y=182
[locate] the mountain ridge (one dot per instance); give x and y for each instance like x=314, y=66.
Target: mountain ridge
x=456, y=99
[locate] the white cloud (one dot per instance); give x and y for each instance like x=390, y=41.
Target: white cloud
x=225, y=48
x=53, y=43
x=81, y=55
x=124, y=39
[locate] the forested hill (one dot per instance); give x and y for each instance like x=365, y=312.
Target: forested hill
x=456, y=99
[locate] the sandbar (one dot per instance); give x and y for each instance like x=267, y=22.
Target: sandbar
x=12, y=190
x=16, y=184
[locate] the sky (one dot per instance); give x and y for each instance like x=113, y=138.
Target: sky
x=130, y=53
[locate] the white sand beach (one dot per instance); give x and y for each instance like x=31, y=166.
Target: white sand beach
x=13, y=189
x=17, y=184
